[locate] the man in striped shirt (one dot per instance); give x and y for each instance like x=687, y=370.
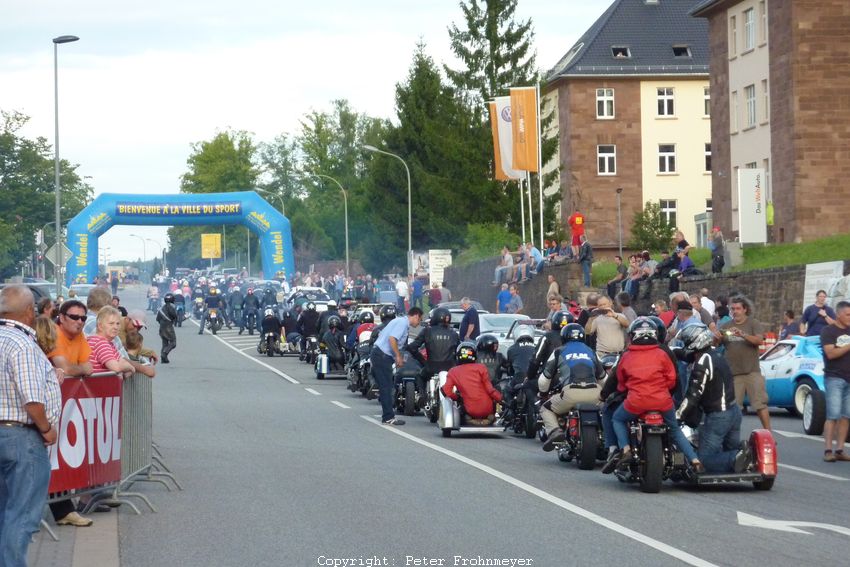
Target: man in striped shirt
x=30, y=403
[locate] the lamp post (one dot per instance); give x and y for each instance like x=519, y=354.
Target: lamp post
x=57, y=186
x=369, y=148
x=619, y=221
x=144, y=251
x=161, y=252
x=282, y=209
x=345, y=201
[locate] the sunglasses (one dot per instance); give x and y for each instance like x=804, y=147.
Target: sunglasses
x=75, y=317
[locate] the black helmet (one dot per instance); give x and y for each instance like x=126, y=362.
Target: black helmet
x=643, y=331
x=440, y=316
x=487, y=343
x=662, y=330
x=366, y=317
x=524, y=335
x=561, y=319
x=169, y=298
x=311, y=306
x=572, y=332
x=387, y=313
x=334, y=322
x=696, y=337
x=465, y=352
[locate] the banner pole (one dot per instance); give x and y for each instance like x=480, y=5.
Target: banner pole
x=540, y=162
x=530, y=209
x=521, y=207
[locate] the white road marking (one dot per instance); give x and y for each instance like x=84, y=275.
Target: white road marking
x=814, y=473
x=314, y=392
x=794, y=435
x=260, y=362
x=674, y=552
x=791, y=526
x=248, y=348
x=340, y=404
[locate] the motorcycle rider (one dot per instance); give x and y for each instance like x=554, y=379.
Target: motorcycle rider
x=711, y=391
x=250, y=305
x=288, y=327
x=440, y=341
x=334, y=341
x=487, y=347
x=365, y=322
x=270, y=324
x=550, y=341
x=307, y=326
x=166, y=316
x=212, y=301
x=519, y=357
x=269, y=297
x=179, y=305
x=387, y=314
x=646, y=375
x=575, y=373
x=473, y=384
x=153, y=297
x=236, y=300
x=325, y=315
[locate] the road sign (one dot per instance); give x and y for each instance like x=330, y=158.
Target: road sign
x=50, y=255
x=210, y=246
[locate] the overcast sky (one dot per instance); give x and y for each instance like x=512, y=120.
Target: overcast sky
x=148, y=79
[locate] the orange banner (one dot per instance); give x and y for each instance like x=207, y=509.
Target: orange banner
x=497, y=152
x=524, y=126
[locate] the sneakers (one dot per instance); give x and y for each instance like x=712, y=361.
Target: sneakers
x=840, y=456
x=829, y=456
x=393, y=421
x=74, y=519
x=556, y=436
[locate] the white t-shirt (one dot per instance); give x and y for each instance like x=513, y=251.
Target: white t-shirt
x=401, y=288
x=708, y=305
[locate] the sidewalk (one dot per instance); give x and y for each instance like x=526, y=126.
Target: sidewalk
x=94, y=546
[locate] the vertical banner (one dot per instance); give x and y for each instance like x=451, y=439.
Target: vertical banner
x=210, y=246
x=524, y=128
x=752, y=206
x=506, y=137
x=499, y=173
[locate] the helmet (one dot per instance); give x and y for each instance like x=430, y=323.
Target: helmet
x=487, y=343
x=178, y=291
x=466, y=352
x=287, y=314
x=366, y=317
x=643, y=331
x=334, y=322
x=662, y=330
x=388, y=313
x=250, y=291
x=331, y=304
x=440, y=316
x=213, y=291
x=310, y=306
x=268, y=312
x=169, y=298
x=235, y=288
x=572, y=332
x=524, y=335
x=561, y=319
x=696, y=337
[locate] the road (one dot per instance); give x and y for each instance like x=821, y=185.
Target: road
x=282, y=469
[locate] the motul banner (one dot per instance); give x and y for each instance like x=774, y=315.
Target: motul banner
x=88, y=452
x=524, y=128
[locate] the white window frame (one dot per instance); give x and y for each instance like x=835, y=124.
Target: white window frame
x=707, y=164
x=605, y=102
x=750, y=100
x=734, y=119
x=733, y=36
x=706, y=97
x=765, y=93
x=749, y=29
x=606, y=163
x=668, y=211
x=665, y=102
x=666, y=159
x=763, y=21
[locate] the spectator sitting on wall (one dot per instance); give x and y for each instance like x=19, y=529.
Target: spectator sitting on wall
x=554, y=286
x=505, y=267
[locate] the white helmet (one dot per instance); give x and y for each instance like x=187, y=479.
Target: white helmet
x=235, y=288
x=268, y=312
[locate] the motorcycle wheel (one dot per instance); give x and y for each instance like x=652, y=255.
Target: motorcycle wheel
x=530, y=420
x=447, y=432
x=320, y=376
x=589, y=440
x=409, y=398
x=213, y=329
x=765, y=484
x=652, y=467
x=270, y=351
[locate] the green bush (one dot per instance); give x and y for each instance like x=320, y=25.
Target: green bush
x=650, y=230
x=485, y=241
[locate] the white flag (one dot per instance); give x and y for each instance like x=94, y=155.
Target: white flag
x=506, y=140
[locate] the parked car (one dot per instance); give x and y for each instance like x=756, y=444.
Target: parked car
x=499, y=324
x=793, y=372
x=82, y=290
x=303, y=294
x=457, y=311
x=510, y=336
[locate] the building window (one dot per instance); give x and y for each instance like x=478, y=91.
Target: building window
x=763, y=20
x=706, y=97
x=749, y=29
x=665, y=101
x=708, y=157
x=733, y=36
x=681, y=51
x=733, y=120
x=751, y=165
x=604, y=103
x=750, y=97
x=708, y=205
x=765, y=93
x=606, y=160
x=666, y=158
x=620, y=52
x=668, y=211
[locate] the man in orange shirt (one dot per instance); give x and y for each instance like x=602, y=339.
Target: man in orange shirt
x=577, y=228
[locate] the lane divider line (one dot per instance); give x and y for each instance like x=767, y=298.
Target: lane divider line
x=340, y=404
x=314, y=392
x=794, y=435
x=813, y=473
x=283, y=375
x=674, y=552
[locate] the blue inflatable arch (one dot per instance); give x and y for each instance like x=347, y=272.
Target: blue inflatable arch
x=244, y=207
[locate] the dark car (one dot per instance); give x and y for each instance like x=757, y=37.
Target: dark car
x=39, y=291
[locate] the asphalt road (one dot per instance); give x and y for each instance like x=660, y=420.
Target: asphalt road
x=282, y=469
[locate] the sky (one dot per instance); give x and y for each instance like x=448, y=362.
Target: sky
x=149, y=79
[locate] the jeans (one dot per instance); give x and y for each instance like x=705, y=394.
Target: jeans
x=720, y=439
x=382, y=371
x=621, y=417
x=417, y=302
x=837, y=398
x=400, y=305
x=585, y=270
x=608, y=424
x=24, y=475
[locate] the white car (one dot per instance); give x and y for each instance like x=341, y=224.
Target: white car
x=303, y=294
x=499, y=324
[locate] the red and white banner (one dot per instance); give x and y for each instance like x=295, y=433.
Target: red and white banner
x=88, y=452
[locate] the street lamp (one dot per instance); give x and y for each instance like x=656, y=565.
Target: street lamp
x=619, y=221
x=345, y=201
x=59, y=243
x=369, y=148
x=280, y=198
x=144, y=250
x=161, y=252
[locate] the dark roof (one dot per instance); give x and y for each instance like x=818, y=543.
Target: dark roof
x=702, y=8
x=649, y=31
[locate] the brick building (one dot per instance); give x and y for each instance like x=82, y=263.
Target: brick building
x=780, y=74
x=632, y=103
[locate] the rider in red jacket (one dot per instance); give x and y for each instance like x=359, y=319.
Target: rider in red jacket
x=473, y=383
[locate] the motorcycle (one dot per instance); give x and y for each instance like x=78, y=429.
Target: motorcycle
x=324, y=366
x=181, y=312
x=198, y=308
x=521, y=413
x=358, y=362
x=453, y=417
x=214, y=320
x=655, y=459
x=432, y=402
x=407, y=398
x=583, y=441
x=251, y=321
x=289, y=345
x=268, y=345
x=311, y=353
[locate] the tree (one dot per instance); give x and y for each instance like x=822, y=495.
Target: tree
x=650, y=229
